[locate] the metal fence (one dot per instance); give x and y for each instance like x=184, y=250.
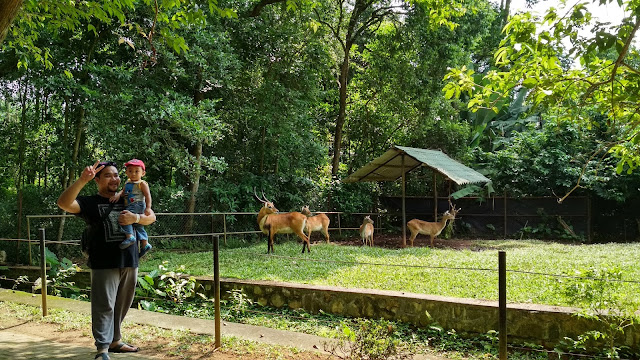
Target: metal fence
x=218, y=226
x=168, y=230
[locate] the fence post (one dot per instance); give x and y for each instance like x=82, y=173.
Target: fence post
x=224, y=225
x=339, y=226
x=502, y=305
x=43, y=273
x=216, y=286
x=588, y=219
x=505, y=214
x=28, y=242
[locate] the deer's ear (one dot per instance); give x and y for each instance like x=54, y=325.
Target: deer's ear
x=446, y=212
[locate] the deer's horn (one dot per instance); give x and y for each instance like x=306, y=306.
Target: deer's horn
x=264, y=197
x=256, y=195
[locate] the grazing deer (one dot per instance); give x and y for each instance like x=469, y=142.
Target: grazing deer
x=366, y=231
x=271, y=223
x=432, y=229
x=315, y=223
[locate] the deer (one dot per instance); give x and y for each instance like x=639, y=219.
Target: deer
x=271, y=222
x=432, y=229
x=319, y=222
x=366, y=231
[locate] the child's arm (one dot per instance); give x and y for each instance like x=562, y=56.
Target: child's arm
x=116, y=197
x=144, y=186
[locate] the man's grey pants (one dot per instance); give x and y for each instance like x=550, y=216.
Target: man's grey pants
x=112, y=292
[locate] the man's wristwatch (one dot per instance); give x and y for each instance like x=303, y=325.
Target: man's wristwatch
x=137, y=218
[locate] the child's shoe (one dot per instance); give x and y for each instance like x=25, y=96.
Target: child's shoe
x=144, y=250
x=130, y=241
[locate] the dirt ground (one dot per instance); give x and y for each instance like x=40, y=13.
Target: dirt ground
x=152, y=347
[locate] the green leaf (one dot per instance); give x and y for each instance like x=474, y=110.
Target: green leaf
x=529, y=83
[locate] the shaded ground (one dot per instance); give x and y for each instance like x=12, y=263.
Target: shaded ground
x=29, y=338
x=392, y=241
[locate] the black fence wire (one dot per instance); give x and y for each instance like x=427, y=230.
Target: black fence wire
x=208, y=232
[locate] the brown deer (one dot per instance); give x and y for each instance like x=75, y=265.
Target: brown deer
x=271, y=223
x=432, y=229
x=366, y=231
x=319, y=222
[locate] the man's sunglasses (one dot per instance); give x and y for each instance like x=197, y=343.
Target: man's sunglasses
x=108, y=163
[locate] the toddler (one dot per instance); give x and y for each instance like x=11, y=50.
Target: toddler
x=138, y=201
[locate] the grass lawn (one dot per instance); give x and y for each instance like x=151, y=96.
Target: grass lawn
x=470, y=273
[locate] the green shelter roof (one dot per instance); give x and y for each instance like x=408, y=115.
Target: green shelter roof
x=388, y=167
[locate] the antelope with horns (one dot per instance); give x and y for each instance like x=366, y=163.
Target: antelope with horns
x=366, y=231
x=271, y=223
x=432, y=229
x=319, y=222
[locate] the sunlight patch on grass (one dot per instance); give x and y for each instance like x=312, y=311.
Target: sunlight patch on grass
x=470, y=273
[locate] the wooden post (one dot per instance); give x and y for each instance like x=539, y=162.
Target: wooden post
x=43, y=272
x=404, y=211
x=505, y=214
x=216, y=284
x=588, y=219
x=224, y=224
x=502, y=304
x=435, y=196
x=28, y=242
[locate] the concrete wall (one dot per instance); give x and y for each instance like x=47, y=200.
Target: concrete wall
x=541, y=324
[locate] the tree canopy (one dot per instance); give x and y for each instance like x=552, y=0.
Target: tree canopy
x=289, y=97
x=567, y=75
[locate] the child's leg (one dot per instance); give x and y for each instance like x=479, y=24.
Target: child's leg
x=144, y=240
x=130, y=239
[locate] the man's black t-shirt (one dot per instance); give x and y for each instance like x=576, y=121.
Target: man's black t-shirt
x=103, y=234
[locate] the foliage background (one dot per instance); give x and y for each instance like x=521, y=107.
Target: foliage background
x=221, y=99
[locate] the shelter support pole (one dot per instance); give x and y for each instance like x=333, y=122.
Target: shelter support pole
x=435, y=196
x=404, y=211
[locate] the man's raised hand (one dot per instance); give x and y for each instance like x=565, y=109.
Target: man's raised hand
x=90, y=171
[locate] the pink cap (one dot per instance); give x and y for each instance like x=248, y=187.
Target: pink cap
x=135, y=162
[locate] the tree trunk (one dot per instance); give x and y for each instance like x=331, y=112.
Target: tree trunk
x=74, y=164
x=264, y=134
x=65, y=142
x=194, y=176
x=21, y=151
x=337, y=140
x=8, y=11
x=505, y=12
x=76, y=144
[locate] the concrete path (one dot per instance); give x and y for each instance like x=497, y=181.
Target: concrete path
x=27, y=347
x=18, y=346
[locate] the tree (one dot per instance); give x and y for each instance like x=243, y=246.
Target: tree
x=603, y=81
x=351, y=24
x=31, y=18
x=8, y=11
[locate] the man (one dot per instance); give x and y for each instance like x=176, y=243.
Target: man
x=114, y=271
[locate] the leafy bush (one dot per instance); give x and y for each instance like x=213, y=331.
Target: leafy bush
x=163, y=286
x=370, y=340
x=598, y=290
